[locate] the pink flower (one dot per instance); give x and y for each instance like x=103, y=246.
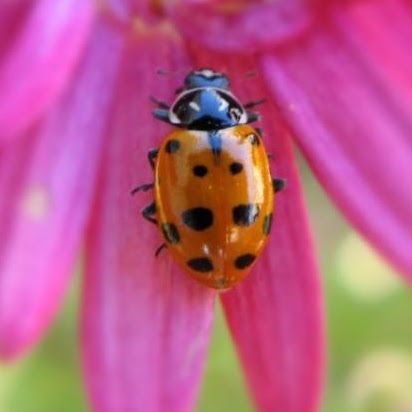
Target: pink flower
x=75, y=126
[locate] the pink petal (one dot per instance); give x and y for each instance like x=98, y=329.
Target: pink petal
x=47, y=181
x=35, y=67
x=146, y=325
x=244, y=26
x=12, y=13
x=386, y=33
x=354, y=129
x=275, y=315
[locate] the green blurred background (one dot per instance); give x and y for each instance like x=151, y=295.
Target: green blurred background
x=369, y=332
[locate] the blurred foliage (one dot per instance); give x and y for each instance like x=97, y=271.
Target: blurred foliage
x=369, y=334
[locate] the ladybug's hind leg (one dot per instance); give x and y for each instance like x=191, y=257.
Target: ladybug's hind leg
x=148, y=212
x=144, y=188
x=159, y=249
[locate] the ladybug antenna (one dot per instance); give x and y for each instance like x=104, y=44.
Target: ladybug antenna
x=164, y=72
x=252, y=73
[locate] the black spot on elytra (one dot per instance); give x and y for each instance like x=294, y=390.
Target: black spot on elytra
x=170, y=233
x=201, y=264
x=267, y=224
x=172, y=146
x=198, y=218
x=200, y=170
x=235, y=168
x=244, y=261
x=254, y=139
x=245, y=215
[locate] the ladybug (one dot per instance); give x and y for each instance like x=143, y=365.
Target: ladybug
x=214, y=194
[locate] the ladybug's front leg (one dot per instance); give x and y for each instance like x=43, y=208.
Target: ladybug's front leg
x=252, y=117
x=162, y=115
x=162, y=105
x=254, y=103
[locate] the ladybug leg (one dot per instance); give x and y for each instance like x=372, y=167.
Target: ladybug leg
x=162, y=105
x=151, y=155
x=260, y=131
x=252, y=117
x=148, y=213
x=162, y=115
x=144, y=188
x=278, y=184
x=253, y=103
x=160, y=248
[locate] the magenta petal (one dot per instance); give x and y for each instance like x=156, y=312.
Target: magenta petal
x=35, y=67
x=46, y=181
x=12, y=14
x=384, y=35
x=244, y=26
x=355, y=131
x=146, y=325
x=275, y=315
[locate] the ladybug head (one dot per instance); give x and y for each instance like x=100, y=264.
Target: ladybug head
x=206, y=78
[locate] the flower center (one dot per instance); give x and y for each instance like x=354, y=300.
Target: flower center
x=123, y=14
x=241, y=25
x=237, y=6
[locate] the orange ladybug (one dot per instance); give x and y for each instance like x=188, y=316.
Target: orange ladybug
x=214, y=194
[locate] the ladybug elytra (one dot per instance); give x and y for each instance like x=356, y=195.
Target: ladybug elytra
x=214, y=194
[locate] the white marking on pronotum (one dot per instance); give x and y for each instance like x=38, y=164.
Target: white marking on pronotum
x=194, y=106
x=207, y=73
x=223, y=105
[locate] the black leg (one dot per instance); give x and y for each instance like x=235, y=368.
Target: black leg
x=160, y=248
x=161, y=104
x=252, y=117
x=162, y=115
x=253, y=103
x=151, y=155
x=143, y=188
x=252, y=73
x=148, y=213
x=278, y=184
x=260, y=131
